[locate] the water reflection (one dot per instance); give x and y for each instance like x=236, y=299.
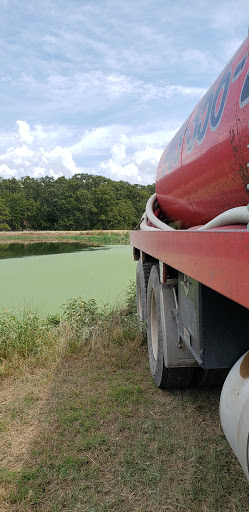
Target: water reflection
x=22, y=250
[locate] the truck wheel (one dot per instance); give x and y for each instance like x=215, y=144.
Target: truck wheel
x=209, y=378
x=163, y=377
x=142, y=277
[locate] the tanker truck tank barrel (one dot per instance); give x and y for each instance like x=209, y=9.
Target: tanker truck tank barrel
x=203, y=171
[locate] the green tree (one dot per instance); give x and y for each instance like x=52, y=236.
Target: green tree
x=82, y=202
x=4, y=216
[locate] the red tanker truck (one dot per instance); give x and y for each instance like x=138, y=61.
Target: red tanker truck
x=192, y=250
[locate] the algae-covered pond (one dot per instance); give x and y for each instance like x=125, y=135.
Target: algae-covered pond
x=44, y=275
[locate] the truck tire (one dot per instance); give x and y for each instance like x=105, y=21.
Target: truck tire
x=163, y=377
x=209, y=378
x=142, y=277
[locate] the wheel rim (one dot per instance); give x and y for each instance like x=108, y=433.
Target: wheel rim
x=154, y=326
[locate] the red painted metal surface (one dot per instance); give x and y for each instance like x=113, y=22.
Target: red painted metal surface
x=203, y=170
x=218, y=259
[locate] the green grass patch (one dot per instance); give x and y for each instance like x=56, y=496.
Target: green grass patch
x=98, y=237
x=113, y=239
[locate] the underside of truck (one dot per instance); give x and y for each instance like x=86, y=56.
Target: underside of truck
x=192, y=294
x=193, y=308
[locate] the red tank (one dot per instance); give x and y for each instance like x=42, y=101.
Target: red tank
x=203, y=171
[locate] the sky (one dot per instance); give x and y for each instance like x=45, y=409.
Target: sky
x=102, y=86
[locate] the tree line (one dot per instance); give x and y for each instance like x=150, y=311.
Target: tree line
x=83, y=202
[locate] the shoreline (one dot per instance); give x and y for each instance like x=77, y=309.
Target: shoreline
x=58, y=234
x=98, y=236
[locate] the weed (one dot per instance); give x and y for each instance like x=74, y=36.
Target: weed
x=81, y=315
x=27, y=338
x=22, y=334
x=54, y=320
x=112, y=239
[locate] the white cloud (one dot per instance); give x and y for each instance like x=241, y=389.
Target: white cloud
x=148, y=154
x=24, y=132
x=117, y=140
x=97, y=89
x=119, y=154
x=29, y=160
x=131, y=160
x=7, y=172
x=96, y=140
x=51, y=134
x=157, y=137
x=115, y=171
x=122, y=154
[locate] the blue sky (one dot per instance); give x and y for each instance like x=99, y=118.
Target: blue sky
x=101, y=86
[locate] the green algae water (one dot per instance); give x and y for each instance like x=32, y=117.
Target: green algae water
x=44, y=282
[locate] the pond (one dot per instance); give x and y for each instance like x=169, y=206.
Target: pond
x=44, y=275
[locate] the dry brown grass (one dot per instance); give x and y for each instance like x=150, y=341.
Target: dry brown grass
x=96, y=435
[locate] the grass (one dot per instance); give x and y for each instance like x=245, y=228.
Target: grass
x=28, y=340
x=112, y=237
x=85, y=429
